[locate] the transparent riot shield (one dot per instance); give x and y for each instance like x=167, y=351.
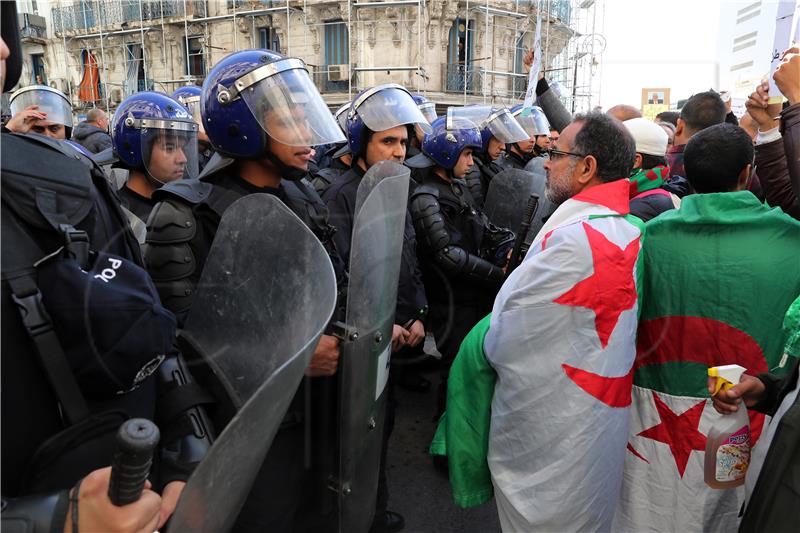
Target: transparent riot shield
x=507, y=197
x=267, y=292
x=536, y=167
x=376, y=248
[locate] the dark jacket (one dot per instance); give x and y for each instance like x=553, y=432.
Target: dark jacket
x=650, y=204
x=91, y=137
x=790, y=129
x=773, y=172
x=340, y=198
x=776, y=495
x=557, y=115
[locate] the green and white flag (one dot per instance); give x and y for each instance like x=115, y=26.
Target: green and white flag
x=720, y=274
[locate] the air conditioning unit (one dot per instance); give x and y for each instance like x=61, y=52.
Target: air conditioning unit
x=338, y=72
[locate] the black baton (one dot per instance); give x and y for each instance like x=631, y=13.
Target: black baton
x=136, y=441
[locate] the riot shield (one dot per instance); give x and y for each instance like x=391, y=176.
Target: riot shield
x=536, y=167
x=508, y=194
x=377, y=242
x=259, y=310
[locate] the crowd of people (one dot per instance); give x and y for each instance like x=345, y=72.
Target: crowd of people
x=575, y=276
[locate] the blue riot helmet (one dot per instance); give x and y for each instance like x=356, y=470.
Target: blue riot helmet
x=450, y=136
x=189, y=96
x=254, y=96
x=535, y=123
x=381, y=108
x=156, y=135
x=427, y=107
x=492, y=122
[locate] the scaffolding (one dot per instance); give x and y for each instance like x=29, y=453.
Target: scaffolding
x=455, y=51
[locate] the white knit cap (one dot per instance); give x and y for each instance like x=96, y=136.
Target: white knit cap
x=650, y=137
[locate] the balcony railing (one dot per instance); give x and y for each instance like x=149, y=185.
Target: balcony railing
x=101, y=14
x=455, y=79
x=32, y=26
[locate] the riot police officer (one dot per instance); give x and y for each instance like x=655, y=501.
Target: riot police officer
x=72, y=371
x=498, y=130
x=462, y=255
x=189, y=97
x=41, y=109
x=262, y=112
x=520, y=153
x=155, y=139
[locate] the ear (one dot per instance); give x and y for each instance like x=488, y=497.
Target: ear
x=680, y=127
x=743, y=183
x=587, y=170
x=637, y=163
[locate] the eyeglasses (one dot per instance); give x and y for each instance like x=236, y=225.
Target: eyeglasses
x=558, y=154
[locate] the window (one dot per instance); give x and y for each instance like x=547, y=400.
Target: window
x=268, y=39
x=336, y=53
x=37, y=69
x=195, y=60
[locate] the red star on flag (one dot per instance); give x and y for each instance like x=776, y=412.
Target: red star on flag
x=610, y=290
x=679, y=432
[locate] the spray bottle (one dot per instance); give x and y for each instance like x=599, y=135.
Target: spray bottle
x=728, y=442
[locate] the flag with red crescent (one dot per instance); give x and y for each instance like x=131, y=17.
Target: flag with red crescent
x=720, y=274
x=562, y=341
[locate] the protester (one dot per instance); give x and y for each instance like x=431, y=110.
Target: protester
x=648, y=198
x=718, y=271
x=92, y=133
x=701, y=111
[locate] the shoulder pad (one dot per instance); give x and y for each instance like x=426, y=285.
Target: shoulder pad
x=425, y=188
x=216, y=163
x=170, y=222
x=299, y=190
x=191, y=191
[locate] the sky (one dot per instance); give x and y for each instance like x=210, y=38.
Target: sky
x=660, y=43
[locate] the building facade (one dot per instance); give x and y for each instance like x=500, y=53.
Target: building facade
x=99, y=51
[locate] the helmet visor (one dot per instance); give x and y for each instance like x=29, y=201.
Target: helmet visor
x=535, y=123
x=341, y=116
x=506, y=128
x=428, y=110
x=169, y=149
x=476, y=115
x=290, y=109
x=49, y=101
x=389, y=107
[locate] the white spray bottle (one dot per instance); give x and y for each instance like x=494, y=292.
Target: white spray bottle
x=728, y=442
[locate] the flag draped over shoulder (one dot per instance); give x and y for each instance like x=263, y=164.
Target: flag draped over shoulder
x=721, y=273
x=562, y=341
x=463, y=432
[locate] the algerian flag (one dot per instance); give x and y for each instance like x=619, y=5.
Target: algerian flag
x=720, y=273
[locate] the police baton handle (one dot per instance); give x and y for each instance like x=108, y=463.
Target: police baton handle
x=525, y=226
x=136, y=441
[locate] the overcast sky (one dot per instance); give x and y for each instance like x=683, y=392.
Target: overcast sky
x=667, y=43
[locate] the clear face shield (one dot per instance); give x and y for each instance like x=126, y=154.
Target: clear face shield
x=535, y=123
x=192, y=104
x=505, y=127
x=428, y=110
x=287, y=105
x=388, y=106
x=49, y=100
x=169, y=149
x=341, y=116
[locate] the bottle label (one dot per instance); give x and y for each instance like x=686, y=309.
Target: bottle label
x=733, y=456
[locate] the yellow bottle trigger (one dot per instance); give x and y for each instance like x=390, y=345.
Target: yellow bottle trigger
x=727, y=376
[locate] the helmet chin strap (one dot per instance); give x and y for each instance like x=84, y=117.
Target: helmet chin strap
x=286, y=171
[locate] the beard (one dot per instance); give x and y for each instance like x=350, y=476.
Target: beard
x=557, y=193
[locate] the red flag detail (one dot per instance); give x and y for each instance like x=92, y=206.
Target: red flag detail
x=613, y=195
x=612, y=391
x=611, y=289
x=679, y=432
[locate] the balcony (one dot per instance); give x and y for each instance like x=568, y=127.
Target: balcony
x=455, y=80
x=87, y=16
x=32, y=28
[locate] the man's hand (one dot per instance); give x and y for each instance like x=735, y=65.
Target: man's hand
x=763, y=113
x=749, y=389
x=96, y=512
x=787, y=75
x=169, y=499
x=416, y=333
x=326, y=357
x=399, y=337
x=22, y=121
